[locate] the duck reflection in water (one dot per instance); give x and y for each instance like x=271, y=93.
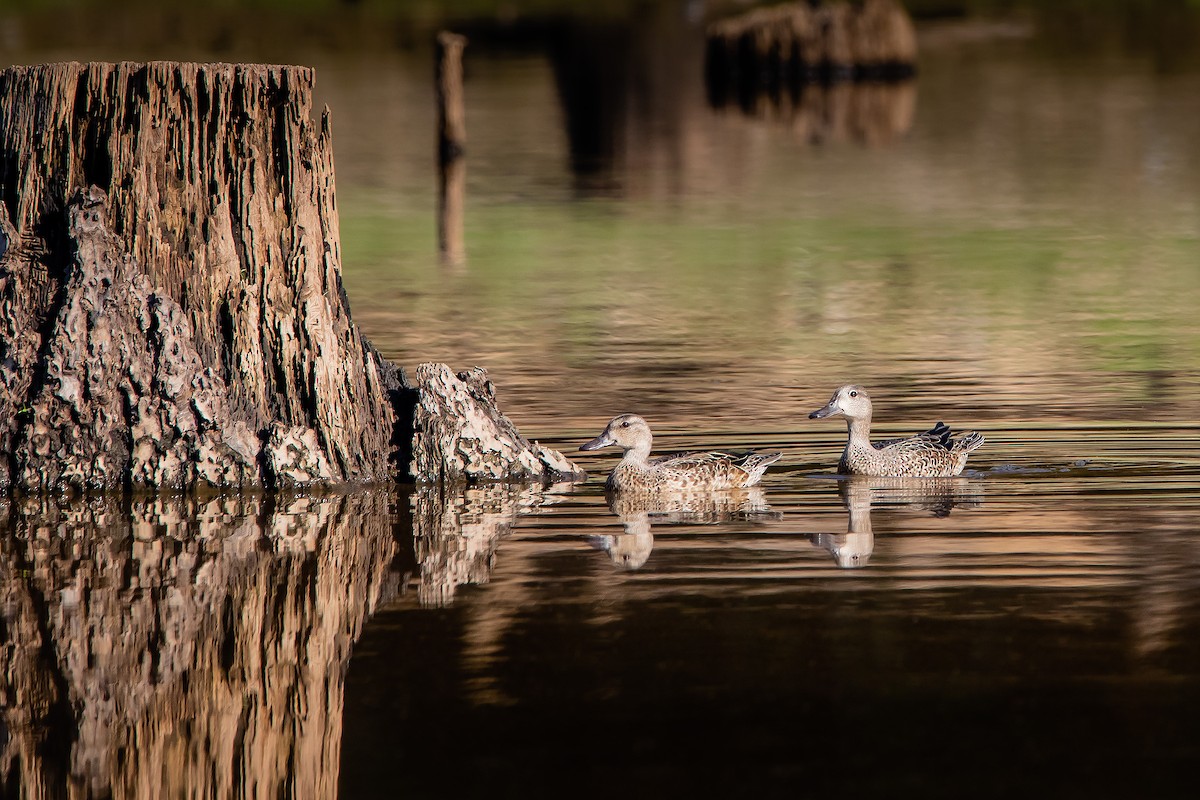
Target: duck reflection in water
x=639, y=511
x=853, y=549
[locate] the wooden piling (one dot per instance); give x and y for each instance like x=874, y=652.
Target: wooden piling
x=452, y=142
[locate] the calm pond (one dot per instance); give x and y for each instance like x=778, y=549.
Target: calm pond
x=1010, y=243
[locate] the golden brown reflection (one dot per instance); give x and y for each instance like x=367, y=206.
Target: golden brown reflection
x=872, y=114
x=1170, y=586
x=456, y=533
x=832, y=70
x=184, y=647
x=853, y=549
x=638, y=511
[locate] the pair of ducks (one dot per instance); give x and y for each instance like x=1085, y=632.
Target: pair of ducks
x=934, y=453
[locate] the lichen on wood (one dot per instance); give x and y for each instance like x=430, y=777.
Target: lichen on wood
x=461, y=434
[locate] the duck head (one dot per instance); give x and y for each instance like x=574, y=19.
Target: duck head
x=627, y=431
x=853, y=402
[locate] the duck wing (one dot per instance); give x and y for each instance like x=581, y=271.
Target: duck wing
x=693, y=460
x=937, y=436
x=678, y=459
x=740, y=467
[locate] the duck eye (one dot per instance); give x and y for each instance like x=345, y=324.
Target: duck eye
x=625, y=424
x=854, y=394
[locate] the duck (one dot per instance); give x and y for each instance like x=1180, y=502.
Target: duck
x=936, y=453
x=637, y=471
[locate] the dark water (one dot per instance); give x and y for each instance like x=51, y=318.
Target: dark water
x=1024, y=630
x=1010, y=243
x=1020, y=629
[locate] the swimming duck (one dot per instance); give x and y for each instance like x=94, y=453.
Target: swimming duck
x=934, y=453
x=689, y=471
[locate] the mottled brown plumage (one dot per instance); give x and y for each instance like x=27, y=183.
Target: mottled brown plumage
x=689, y=471
x=934, y=453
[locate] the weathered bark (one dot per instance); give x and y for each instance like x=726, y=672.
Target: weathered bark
x=461, y=435
x=171, y=310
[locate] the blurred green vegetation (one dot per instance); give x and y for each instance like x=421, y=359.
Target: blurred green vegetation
x=1121, y=301
x=793, y=259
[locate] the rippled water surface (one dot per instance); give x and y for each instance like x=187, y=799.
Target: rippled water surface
x=1010, y=243
x=1029, y=631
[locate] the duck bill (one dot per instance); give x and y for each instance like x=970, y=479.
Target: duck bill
x=603, y=440
x=827, y=411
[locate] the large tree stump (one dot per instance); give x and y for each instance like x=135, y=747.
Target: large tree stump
x=171, y=310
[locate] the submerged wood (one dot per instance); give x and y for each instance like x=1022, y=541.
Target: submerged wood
x=171, y=307
x=802, y=42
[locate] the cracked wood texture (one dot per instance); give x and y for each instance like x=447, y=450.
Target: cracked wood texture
x=171, y=308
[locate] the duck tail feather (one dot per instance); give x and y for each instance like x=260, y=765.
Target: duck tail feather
x=972, y=440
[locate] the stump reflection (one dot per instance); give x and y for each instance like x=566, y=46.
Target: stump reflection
x=456, y=533
x=831, y=72
x=182, y=647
